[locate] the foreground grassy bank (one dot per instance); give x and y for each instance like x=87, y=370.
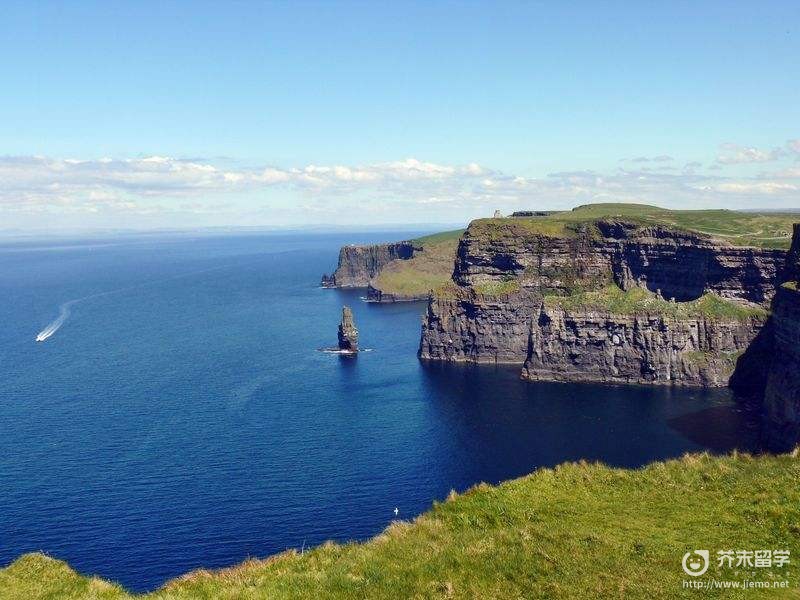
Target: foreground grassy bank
x=577, y=531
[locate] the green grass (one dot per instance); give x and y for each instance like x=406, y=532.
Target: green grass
x=636, y=300
x=497, y=288
x=436, y=238
x=698, y=357
x=768, y=230
x=576, y=531
x=427, y=270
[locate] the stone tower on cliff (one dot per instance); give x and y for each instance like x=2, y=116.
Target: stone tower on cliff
x=348, y=334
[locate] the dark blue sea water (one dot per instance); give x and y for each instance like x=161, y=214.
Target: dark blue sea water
x=182, y=416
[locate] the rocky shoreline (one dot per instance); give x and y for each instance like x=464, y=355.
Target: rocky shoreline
x=376, y=295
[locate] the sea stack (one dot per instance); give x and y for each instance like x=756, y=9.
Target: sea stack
x=348, y=334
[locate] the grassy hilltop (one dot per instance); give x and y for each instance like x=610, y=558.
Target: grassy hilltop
x=427, y=270
x=766, y=230
x=576, y=531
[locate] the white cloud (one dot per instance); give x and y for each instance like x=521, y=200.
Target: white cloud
x=754, y=187
x=645, y=159
x=790, y=173
x=145, y=186
x=734, y=154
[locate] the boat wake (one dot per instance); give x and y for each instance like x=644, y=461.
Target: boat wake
x=63, y=314
x=64, y=309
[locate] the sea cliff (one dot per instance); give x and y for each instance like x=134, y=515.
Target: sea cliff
x=643, y=347
x=616, y=298
x=556, y=256
x=607, y=300
x=782, y=389
x=399, y=271
x=463, y=325
x=359, y=264
x=782, y=392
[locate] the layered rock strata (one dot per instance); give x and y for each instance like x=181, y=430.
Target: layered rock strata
x=590, y=345
x=782, y=390
x=375, y=294
x=359, y=264
x=676, y=264
x=466, y=325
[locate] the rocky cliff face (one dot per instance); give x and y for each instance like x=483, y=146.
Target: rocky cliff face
x=377, y=295
x=782, y=393
x=782, y=390
x=467, y=326
x=754, y=353
x=358, y=264
x=586, y=345
x=675, y=264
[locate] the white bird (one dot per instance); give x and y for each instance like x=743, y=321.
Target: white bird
x=396, y=511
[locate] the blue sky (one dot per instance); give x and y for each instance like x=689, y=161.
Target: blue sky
x=164, y=114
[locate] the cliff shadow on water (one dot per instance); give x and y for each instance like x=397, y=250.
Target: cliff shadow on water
x=622, y=425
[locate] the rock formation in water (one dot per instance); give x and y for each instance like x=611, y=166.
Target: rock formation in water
x=348, y=334
x=359, y=264
x=495, y=311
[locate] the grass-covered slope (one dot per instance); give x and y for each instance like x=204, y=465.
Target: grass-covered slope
x=577, y=531
x=427, y=270
x=769, y=230
x=613, y=300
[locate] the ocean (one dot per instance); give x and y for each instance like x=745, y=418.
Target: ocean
x=178, y=413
